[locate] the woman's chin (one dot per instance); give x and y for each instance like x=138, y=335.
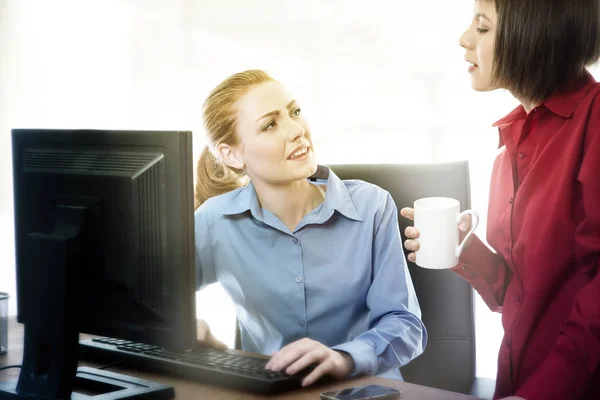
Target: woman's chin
x=481, y=86
x=307, y=169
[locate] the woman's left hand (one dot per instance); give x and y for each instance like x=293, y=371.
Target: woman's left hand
x=296, y=356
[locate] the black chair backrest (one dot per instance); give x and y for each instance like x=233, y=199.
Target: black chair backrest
x=446, y=300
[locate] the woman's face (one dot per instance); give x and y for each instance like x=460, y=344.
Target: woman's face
x=274, y=141
x=478, y=41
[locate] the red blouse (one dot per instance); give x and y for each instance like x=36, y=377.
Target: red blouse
x=544, y=225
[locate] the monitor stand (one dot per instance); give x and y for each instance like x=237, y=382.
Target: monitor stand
x=49, y=369
x=92, y=383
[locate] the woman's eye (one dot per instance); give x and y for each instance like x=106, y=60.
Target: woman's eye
x=482, y=30
x=269, y=126
x=296, y=112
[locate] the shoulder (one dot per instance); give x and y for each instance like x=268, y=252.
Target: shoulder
x=595, y=94
x=218, y=206
x=591, y=100
x=367, y=197
x=592, y=129
x=358, y=188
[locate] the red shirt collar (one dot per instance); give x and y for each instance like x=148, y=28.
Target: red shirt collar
x=561, y=103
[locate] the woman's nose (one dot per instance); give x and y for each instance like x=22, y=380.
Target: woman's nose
x=296, y=130
x=466, y=40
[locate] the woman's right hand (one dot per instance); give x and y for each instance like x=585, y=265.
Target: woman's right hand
x=206, y=338
x=412, y=233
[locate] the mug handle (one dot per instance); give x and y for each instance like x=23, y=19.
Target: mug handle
x=474, y=223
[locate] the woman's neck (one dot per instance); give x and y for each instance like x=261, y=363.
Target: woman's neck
x=289, y=202
x=527, y=104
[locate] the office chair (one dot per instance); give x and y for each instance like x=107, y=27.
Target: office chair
x=446, y=300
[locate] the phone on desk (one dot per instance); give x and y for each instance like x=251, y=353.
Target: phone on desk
x=368, y=392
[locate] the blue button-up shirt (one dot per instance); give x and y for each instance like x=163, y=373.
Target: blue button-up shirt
x=339, y=278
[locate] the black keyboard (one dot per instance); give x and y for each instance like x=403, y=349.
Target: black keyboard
x=208, y=365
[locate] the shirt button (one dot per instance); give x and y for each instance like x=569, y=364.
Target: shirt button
x=472, y=275
x=508, y=250
x=521, y=155
x=507, y=343
x=510, y=201
x=464, y=267
x=518, y=299
x=301, y=322
x=295, y=240
x=298, y=279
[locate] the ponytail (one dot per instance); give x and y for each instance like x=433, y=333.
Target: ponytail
x=214, y=178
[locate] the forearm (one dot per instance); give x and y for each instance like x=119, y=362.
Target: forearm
x=486, y=271
x=394, y=341
x=396, y=334
x=566, y=371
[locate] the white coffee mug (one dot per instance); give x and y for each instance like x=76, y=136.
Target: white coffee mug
x=437, y=220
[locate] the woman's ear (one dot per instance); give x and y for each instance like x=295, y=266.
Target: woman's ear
x=229, y=156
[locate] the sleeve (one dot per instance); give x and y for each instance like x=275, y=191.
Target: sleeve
x=396, y=334
x=486, y=271
x=575, y=356
x=205, y=271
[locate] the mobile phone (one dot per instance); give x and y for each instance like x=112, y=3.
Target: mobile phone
x=368, y=392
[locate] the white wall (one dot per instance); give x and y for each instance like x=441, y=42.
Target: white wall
x=7, y=91
x=380, y=81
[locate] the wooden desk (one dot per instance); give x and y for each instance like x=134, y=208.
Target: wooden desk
x=189, y=390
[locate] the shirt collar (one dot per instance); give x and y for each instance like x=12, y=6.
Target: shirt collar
x=562, y=103
x=337, y=197
x=241, y=200
x=565, y=102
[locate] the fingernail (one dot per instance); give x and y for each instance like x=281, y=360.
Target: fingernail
x=275, y=367
x=462, y=227
x=411, y=258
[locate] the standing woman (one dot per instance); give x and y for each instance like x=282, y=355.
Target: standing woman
x=544, y=205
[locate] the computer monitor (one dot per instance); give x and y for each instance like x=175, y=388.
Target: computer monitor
x=104, y=245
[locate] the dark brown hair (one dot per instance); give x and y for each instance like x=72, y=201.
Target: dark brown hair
x=542, y=45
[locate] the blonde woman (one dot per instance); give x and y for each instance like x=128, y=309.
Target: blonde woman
x=316, y=270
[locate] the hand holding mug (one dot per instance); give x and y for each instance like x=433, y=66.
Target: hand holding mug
x=436, y=216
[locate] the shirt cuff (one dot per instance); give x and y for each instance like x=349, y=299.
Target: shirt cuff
x=478, y=254
x=479, y=266
x=365, y=360
x=555, y=379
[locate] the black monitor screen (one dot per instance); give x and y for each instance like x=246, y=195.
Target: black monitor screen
x=104, y=224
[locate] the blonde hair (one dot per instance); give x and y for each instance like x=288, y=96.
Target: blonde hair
x=219, y=114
